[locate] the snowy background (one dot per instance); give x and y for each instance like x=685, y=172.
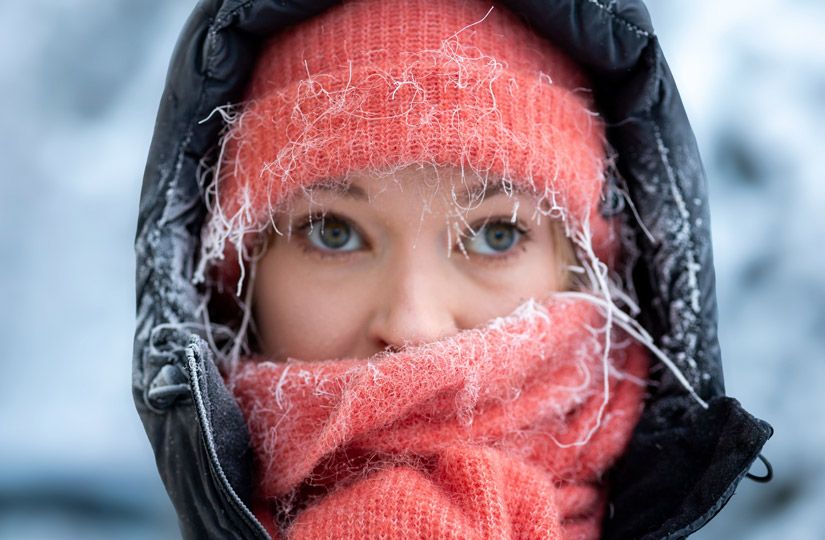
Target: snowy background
x=81, y=80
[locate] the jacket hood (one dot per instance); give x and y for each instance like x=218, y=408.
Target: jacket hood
x=195, y=427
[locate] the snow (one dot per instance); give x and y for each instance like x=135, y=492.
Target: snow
x=80, y=95
x=752, y=76
x=81, y=81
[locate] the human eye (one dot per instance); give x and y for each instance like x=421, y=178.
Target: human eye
x=496, y=238
x=330, y=235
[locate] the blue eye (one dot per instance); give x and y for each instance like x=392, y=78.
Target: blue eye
x=495, y=238
x=332, y=233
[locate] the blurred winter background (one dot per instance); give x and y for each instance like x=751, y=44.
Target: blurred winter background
x=81, y=81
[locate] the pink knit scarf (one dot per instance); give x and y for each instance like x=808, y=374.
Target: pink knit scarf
x=495, y=432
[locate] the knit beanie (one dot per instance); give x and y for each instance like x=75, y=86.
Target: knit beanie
x=381, y=84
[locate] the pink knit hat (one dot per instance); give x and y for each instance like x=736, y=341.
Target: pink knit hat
x=379, y=84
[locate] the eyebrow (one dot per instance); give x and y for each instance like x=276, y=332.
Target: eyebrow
x=480, y=192
x=351, y=190
x=476, y=192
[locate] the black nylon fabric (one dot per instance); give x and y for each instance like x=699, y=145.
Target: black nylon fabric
x=684, y=461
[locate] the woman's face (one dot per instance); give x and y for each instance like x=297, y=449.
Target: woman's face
x=392, y=261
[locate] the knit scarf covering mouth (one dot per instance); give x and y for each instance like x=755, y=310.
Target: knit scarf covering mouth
x=501, y=431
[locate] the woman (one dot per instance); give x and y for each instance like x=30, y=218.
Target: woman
x=203, y=444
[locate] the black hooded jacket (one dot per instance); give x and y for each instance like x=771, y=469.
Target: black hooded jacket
x=684, y=461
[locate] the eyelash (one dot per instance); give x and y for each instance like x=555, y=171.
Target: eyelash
x=315, y=220
x=519, y=247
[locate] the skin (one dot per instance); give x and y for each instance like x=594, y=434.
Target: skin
x=382, y=272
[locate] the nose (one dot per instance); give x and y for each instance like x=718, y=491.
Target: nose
x=413, y=307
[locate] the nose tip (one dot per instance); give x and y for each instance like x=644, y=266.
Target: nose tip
x=405, y=327
x=413, y=313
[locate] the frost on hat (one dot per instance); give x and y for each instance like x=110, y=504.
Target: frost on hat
x=379, y=85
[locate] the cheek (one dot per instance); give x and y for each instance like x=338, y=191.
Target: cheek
x=535, y=275
x=300, y=312
x=498, y=290
x=542, y=270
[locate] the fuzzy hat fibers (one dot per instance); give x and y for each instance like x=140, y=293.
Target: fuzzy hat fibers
x=379, y=85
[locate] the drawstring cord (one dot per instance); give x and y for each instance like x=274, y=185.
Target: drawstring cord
x=764, y=479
